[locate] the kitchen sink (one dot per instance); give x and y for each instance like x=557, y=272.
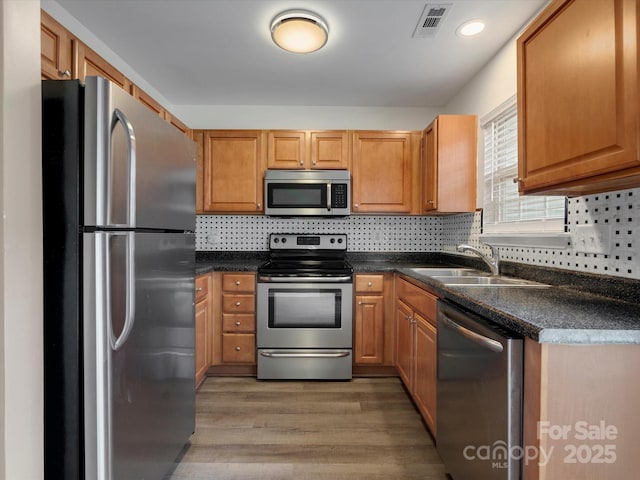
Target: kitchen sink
x=486, y=281
x=446, y=272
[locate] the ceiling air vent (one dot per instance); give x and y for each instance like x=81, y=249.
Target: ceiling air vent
x=431, y=20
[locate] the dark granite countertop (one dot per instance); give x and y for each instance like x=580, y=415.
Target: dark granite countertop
x=576, y=309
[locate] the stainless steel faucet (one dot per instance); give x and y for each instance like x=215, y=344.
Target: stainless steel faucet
x=493, y=262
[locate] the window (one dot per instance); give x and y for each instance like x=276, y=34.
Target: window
x=504, y=210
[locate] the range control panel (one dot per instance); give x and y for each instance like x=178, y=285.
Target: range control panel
x=322, y=241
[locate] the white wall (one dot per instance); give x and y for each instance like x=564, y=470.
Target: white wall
x=21, y=368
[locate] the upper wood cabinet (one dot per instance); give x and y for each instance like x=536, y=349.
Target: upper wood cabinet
x=385, y=168
x=90, y=63
x=175, y=121
x=298, y=149
x=287, y=149
x=329, y=149
x=578, y=124
x=232, y=171
x=449, y=164
x=148, y=101
x=56, y=50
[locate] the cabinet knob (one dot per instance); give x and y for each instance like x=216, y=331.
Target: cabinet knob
x=64, y=73
x=517, y=180
x=259, y=205
x=370, y=284
x=301, y=162
x=430, y=202
x=313, y=162
x=237, y=349
x=237, y=324
x=238, y=282
x=237, y=304
x=199, y=289
x=359, y=303
x=355, y=205
x=407, y=318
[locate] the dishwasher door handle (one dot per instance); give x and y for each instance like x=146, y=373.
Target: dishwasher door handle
x=294, y=354
x=475, y=337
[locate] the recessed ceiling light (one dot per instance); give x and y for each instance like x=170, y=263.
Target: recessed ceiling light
x=299, y=31
x=470, y=28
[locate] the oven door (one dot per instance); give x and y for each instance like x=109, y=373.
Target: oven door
x=304, y=314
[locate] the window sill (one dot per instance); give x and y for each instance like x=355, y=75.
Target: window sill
x=559, y=241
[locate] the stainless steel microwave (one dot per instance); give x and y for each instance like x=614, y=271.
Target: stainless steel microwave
x=298, y=193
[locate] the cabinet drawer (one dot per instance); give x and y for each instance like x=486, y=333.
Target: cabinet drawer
x=421, y=300
x=369, y=283
x=238, y=322
x=238, y=282
x=202, y=287
x=238, y=303
x=238, y=347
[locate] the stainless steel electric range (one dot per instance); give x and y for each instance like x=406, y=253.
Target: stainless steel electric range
x=305, y=309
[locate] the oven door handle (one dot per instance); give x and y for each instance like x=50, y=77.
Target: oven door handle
x=285, y=354
x=297, y=279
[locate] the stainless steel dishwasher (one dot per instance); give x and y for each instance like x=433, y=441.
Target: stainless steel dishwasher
x=479, y=396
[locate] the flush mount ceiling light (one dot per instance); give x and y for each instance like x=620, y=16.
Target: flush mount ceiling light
x=299, y=31
x=470, y=28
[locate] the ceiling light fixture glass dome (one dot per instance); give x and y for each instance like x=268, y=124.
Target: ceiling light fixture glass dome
x=471, y=28
x=299, y=31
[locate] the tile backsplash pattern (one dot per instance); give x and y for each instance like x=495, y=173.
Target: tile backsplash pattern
x=617, y=212
x=364, y=233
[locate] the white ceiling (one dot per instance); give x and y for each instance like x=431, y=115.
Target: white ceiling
x=219, y=52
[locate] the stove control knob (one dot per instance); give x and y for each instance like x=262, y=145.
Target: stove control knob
x=339, y=240
x=276, y=240
x=333, y=240
x=284, y=240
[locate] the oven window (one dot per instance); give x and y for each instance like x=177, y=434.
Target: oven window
x=305, y=308
x=293, y=195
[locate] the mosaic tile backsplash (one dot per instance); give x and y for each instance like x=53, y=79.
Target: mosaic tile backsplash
x=610, y=221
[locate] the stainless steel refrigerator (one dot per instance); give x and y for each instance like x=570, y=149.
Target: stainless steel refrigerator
x=119, y=255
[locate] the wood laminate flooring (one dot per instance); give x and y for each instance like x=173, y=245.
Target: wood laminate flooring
x=266, y=430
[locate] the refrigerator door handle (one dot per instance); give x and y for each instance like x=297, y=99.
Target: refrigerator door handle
x=120, y=117
x=130, y=298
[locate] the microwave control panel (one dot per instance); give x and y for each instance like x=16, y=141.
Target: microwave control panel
x=339, y=195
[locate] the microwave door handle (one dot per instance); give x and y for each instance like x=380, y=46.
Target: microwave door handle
x=329, y=196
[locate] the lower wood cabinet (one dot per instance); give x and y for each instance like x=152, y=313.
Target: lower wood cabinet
x=234, y=325
x=373, y=334
x=416, y=356
x=202, y=327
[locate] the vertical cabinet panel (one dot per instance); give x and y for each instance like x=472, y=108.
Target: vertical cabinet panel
x=426, y=371
x=404, y=343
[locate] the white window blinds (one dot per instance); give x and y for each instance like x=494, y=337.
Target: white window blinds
x=504, y=210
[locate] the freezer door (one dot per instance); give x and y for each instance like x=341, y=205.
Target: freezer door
x=139, y=171
x=139, y=358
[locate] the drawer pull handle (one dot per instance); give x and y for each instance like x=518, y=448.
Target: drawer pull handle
x=237, y=304
x=237, y=349
x=237, y=324
x=199, y=289
x=370, y=284
x=237, y=282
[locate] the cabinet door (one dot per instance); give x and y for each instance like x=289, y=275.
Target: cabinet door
x=404, y=343
x=202, y=354
x=90, y=64
x=287, y=150
x=369, y=329
x=426, y=371
x=330, y=150
x=383, y=167
x=430, y=168
x=578, y=98
x=56, y=50
x=233, y=170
